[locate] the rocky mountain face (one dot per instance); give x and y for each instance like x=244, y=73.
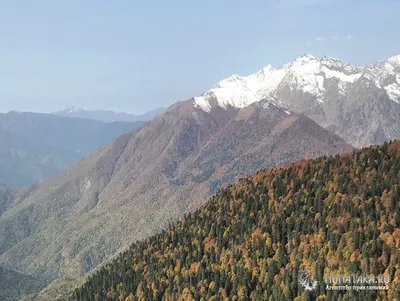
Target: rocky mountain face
x=138, y=183
x=107, y=115
x=359, y=103
x=34, y=146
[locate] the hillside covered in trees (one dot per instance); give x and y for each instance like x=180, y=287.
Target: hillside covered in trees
x=329, y=216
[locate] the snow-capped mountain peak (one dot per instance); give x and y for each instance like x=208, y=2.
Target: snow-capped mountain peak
x=361, y=103
x=306, y=57
x=239, y=92
x=307, y=74
x=73, y=109
x=395, y=61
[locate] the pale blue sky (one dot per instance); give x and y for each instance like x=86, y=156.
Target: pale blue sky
x=134, y=56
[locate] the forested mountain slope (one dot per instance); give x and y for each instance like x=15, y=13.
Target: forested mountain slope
x=329, y=216
x=14, y=285
x=135, y=185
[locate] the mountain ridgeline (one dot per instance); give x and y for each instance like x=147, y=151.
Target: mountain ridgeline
x=361, y=104
x=107, y=115
x=137, y=184
x=34, y=147
x=329, y=216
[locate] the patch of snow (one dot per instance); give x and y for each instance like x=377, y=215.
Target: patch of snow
x=240, y=92
x=389, y=67
x=74, y=110
x=274, y=103
x=305, y=74
x=385, y=75
x=203, y=103
x=351, y=78
x=305, y=58
x=395, y=60
x=393, y=91
x=342, y=88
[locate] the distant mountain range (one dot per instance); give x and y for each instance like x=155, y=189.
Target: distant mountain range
x=107, y=115
x=138, y=183
x=35, y=146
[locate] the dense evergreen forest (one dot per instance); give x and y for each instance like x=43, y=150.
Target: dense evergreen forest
x=332, y=215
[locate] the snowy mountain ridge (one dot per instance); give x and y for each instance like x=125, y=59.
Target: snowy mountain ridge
x=73, y=109
x=107, y=116
x=307, y=74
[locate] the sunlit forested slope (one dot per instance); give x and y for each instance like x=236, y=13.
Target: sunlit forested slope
x=333, y=215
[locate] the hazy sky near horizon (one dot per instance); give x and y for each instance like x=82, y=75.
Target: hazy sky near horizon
x=134, y=56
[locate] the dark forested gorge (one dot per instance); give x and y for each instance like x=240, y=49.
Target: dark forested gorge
x=329, y=216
